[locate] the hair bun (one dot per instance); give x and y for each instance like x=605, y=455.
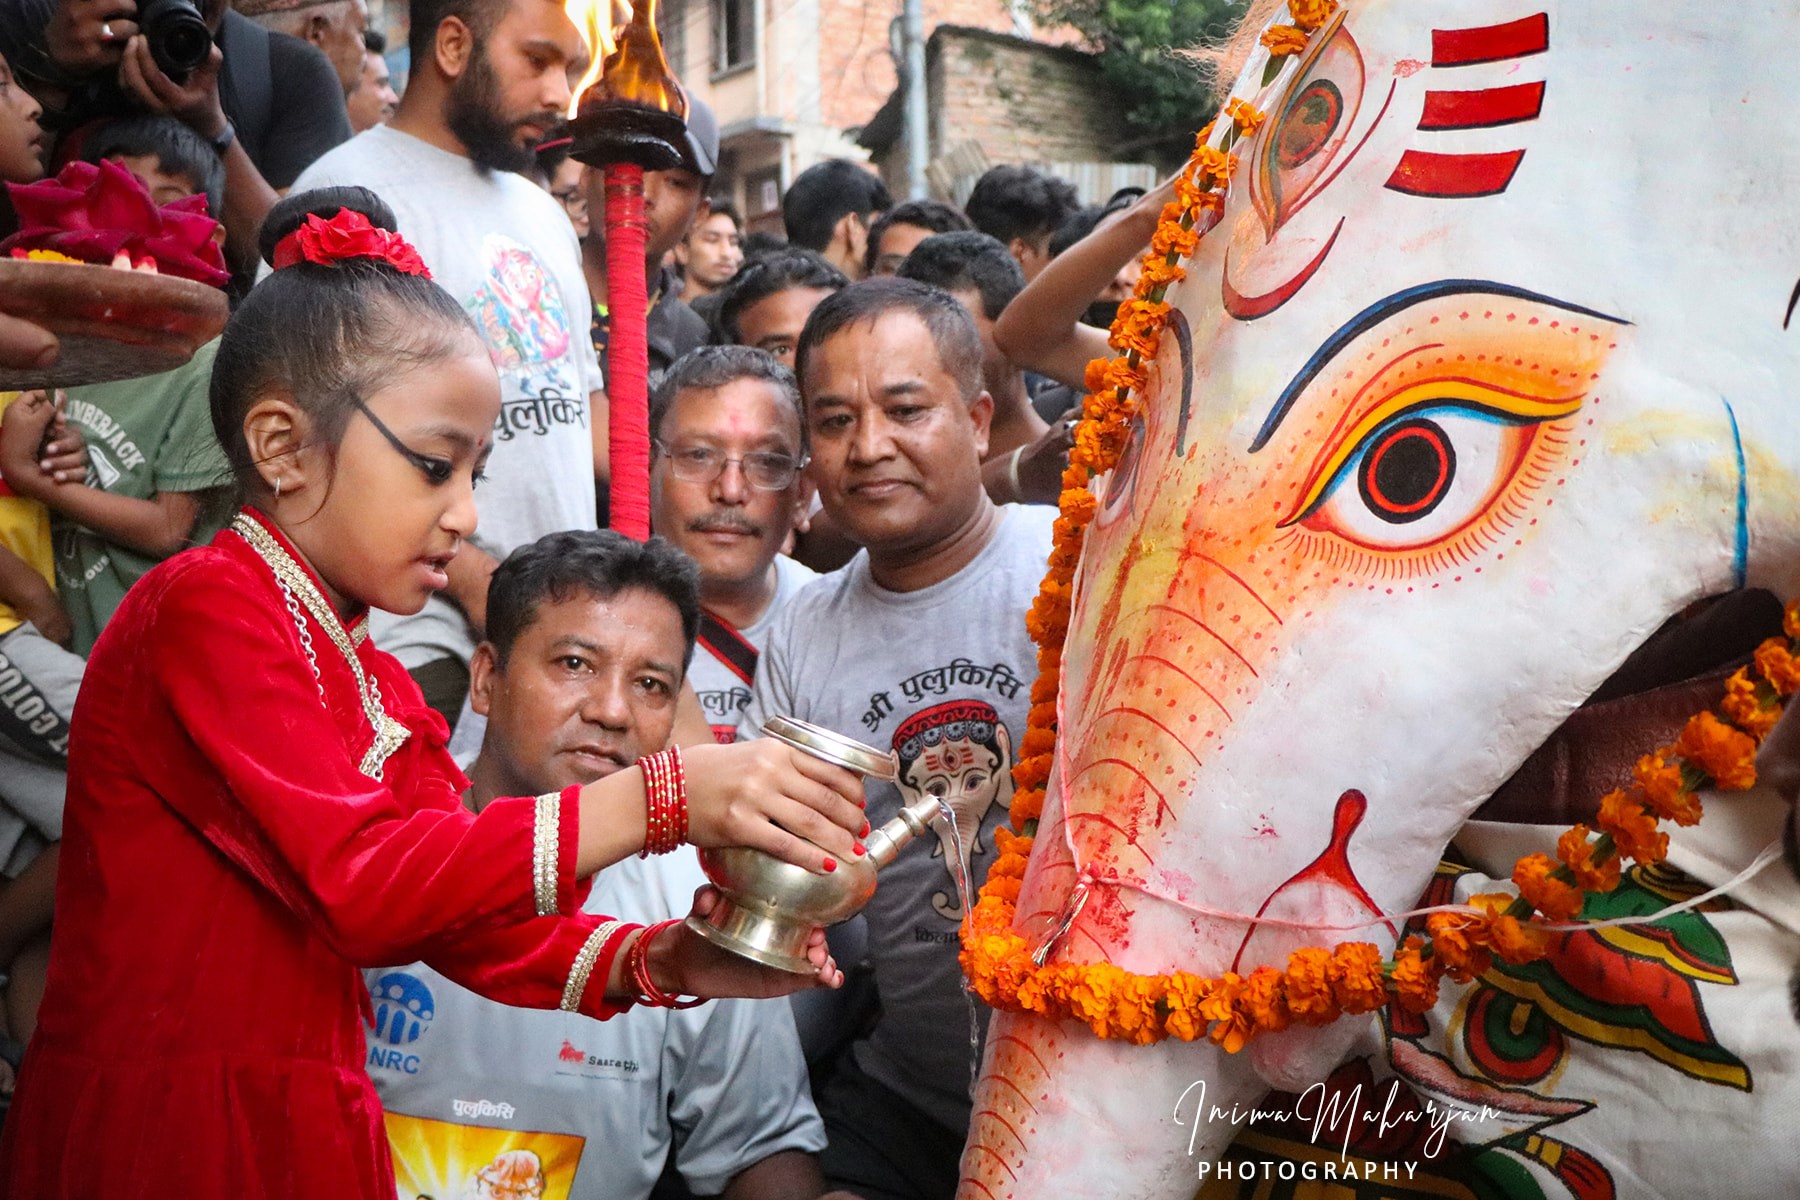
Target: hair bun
x=291, y=212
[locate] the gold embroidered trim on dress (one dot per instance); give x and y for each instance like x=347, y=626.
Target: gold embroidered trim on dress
x=298, y=589
x=546, y=841
x=584, y=965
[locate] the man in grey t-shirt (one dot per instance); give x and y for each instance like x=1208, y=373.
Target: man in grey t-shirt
x=578, y=680
x=485, y=86
x=917, y=645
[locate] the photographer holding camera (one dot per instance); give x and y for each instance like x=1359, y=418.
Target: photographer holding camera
x=269, y=104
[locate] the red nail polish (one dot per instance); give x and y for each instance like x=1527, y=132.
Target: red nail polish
x=861, y=849
x=865, y=830
x=831, y=864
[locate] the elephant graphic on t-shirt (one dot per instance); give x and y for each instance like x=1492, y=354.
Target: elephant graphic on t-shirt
x=959, y=751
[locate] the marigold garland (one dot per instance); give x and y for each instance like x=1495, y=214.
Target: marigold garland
x=1317, y=985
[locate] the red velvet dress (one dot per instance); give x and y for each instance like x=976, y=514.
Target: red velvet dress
x=226, y=869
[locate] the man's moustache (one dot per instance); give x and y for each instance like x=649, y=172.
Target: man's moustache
x=721, y=523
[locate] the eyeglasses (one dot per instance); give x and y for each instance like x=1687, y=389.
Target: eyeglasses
x=767, y=470
x=437, y=470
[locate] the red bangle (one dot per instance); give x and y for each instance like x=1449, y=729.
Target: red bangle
x=637, y=972
x=665, y=802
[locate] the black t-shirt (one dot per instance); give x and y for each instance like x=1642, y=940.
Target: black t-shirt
x=304, y=115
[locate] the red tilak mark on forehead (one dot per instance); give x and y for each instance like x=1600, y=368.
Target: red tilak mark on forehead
x=1454, y=176
x=1465, y=176
x=1482, y=109
x=1490, y=43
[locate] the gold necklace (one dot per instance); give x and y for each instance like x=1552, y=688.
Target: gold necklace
x=298, y=589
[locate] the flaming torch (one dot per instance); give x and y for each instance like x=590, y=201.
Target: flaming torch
x=630, y=117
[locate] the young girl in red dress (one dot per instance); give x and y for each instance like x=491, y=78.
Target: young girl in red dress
x=260, y=803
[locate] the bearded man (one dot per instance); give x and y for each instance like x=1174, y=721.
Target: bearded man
x=489, y=79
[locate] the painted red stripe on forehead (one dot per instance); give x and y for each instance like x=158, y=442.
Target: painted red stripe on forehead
x=1490, y=43
x=1482, y=109
x=1454, y=176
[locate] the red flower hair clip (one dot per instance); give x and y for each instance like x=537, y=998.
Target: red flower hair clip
x=347, y=235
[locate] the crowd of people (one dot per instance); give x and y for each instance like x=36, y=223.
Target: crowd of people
x=261, y=934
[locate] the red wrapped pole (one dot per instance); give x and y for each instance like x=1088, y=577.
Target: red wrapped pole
x=627, y=351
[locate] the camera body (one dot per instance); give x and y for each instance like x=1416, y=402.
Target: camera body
x=177, y=33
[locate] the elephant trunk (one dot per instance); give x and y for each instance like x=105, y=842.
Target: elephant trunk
x=1059, y=1112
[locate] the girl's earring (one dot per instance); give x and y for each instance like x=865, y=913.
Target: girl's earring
x=278, y=487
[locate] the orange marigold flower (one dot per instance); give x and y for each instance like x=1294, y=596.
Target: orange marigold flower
x=1311, y=14
x=1778, y=666
x=1159, y=272
x=1514, y=940
x=1043, y=688
x=1415, y=977
x=1093, y=378
x=1185, y=994
x=1027, y=805
x=1036, y=742
x=1577, y=854
x=1232, y=1026
x=1121, y=372
x=1309, y=997
x=1726, y=754
x=1205, y=135
x=1660, y=787
x=1078, y=504
x=1139, y=326
x=1032, y=772
x=1263, y=1001
x=1042, y=716
x=1244, y=116
x=1172, y=238
x=1743, y=703
x=1535, y=876
x=1356, y=980
x=1283, y=40
x=1458, y=940
x=1134, y=1008
x=1633, y=830
x=1215, y=165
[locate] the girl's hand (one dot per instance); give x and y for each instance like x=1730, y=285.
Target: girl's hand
x=767, y=796
x=682, y=963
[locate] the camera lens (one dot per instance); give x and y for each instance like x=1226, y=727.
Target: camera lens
x=178, y=36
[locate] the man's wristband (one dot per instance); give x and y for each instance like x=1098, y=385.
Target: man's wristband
x=221, y=141
x=1012, y=475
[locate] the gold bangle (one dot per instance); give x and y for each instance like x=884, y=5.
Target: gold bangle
x=583, y=967
x=1012, y=474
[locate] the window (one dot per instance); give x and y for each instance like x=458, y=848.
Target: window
x=671, y=27
x=734, y=34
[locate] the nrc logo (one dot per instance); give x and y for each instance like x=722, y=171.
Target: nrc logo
x=403, y=1009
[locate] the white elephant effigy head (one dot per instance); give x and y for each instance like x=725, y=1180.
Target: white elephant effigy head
x=1481, y=372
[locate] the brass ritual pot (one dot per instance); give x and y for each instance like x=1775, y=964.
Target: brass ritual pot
x=768, y=907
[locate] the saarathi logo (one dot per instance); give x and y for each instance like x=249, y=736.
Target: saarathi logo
x=403, y=1011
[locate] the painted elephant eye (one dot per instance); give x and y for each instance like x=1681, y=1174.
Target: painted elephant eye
x=1308, y=129
x=1419, y=472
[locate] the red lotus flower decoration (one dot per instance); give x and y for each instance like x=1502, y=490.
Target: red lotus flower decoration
x=347, y=234
x=96, y=211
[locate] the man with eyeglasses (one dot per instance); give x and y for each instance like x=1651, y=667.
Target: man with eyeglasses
x=726, y=487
